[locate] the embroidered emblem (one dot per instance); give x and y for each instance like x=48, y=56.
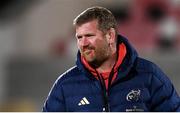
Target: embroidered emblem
x=133, y=95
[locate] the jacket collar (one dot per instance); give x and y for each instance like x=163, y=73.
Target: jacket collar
x=121, y=55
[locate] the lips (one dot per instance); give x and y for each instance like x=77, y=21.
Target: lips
x=86, y=52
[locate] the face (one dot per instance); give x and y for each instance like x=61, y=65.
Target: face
x=92, y=43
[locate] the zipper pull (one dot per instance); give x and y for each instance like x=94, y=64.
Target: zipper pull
x=104, y=109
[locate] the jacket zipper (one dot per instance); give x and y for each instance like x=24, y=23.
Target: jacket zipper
x=106, y=106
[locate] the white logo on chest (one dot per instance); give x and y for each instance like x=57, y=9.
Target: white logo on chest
x=83, y=101
x=133, y=95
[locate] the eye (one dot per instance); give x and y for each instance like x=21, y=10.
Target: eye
x=89, y=35
x=78, y=37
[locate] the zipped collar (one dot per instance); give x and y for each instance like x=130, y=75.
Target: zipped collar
x=121, y=54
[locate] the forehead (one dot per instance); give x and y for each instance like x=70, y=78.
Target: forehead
x=90, y=25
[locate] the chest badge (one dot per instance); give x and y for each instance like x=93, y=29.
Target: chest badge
x=133, y=95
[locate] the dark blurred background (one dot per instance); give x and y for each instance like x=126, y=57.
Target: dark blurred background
x=37, y=42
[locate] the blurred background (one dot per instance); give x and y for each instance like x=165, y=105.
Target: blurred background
x=37, y=42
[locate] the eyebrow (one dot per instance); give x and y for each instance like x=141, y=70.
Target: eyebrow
x=87, y=35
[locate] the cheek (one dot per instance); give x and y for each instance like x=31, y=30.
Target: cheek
x=101, y=44
x=96, y=43
x=102, y=48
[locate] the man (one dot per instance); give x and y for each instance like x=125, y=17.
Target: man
x=109, y=75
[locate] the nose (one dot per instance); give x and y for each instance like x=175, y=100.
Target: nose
x=84, y=41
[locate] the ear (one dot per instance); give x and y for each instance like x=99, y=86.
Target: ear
x=111, y=36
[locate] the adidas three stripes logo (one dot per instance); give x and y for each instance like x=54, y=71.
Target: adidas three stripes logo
x=83, y=101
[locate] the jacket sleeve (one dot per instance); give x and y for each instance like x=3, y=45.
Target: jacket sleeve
x=163, y=94
x=55, y=100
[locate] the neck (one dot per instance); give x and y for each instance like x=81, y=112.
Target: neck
x=108, y=64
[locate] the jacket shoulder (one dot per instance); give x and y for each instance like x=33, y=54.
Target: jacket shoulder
x=68, y=75
x=147, y=66
x=55, y=100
